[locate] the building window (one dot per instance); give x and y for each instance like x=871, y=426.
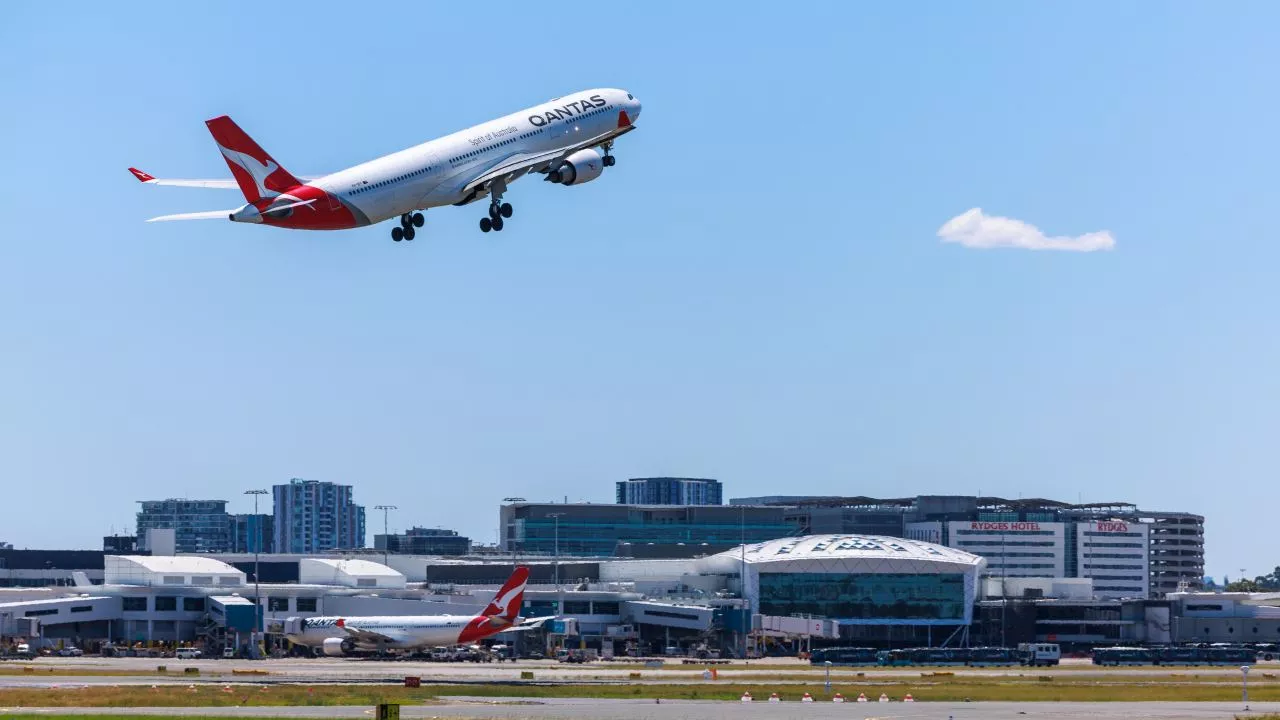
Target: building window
x=173, y=580
x=278, y=604
x=134, y=604
x=193, y=604
x=366, y=582
x=229, y=580
x=306, y=604
x=201, y=579
x=166, y=603
x=38, y=613
x=577, y=607
x=604, y=608
x=89, y=608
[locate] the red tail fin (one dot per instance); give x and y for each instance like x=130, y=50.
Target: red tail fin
x=507, y=603
x=258, y=175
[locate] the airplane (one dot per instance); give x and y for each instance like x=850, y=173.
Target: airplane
x=337, y=636
x=568, y=140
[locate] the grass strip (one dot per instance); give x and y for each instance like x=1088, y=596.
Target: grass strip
x=924, y=690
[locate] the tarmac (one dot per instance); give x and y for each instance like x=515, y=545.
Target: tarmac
x=588, y=709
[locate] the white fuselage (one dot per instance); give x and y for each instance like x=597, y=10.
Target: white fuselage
x=408, y=632
x=435, y=173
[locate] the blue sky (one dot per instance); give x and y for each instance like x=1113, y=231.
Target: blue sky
x=757, y=292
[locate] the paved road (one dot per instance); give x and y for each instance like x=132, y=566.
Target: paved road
x=693, y=710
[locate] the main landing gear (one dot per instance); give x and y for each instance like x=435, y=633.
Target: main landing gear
x=608, y=159
x=497, y=211
x=408, y=222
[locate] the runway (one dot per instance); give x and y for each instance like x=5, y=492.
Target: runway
x=588, y=709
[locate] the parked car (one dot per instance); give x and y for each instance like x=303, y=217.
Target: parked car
x=70, y=651
x=228, y=653
x=186, y=653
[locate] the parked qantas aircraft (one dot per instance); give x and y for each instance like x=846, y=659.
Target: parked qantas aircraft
x=568, y=140
x=347, y=635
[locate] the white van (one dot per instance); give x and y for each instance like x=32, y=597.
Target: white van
x=1039, y=653
x=186, y=653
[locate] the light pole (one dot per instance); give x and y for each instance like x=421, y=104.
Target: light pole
x=746, y=605
x=386, y=536
x=257, y=547
x=828, y=666
x=556, y=517
x=1244, y=685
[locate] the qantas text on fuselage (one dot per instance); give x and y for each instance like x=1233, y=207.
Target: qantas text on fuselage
x=567, y=141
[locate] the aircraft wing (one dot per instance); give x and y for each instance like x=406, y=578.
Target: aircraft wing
x=512, y=167
x=219, y=183
x=375, y=637
x=529, y=624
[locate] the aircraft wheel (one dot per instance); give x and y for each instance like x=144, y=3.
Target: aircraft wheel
x=497, y=223
x=418, y=220
x=486, y=224
x=608, y=161
x=494, y=213
x=397, y=234
x=409, y=233
x=505, y=210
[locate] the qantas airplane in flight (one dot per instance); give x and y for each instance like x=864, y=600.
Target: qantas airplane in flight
x=567, y=140
x=348, y=635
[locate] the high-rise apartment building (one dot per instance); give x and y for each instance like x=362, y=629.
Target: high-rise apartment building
x=252, y=533
x=200, y=526
x=313, y=516
x=670, y=491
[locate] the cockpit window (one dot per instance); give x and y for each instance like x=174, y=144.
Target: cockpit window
x=629, y=97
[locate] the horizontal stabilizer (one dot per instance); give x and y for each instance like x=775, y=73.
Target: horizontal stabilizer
x=208, y=215
x=217, y=183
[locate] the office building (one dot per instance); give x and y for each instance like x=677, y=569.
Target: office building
x=424, y=541
x=252, y=533
x=1129, y=552
x=120, y=544
x=313, y=516
x=200, y=526
x=669, y=491
x=599, y=530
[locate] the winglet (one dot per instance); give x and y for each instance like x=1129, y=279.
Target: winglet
x=623, y=120
x=142, y=177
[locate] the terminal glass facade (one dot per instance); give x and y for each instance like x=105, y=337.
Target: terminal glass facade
x=864, y=597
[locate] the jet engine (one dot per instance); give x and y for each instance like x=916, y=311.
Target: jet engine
x=580, y=167
x=336, y=647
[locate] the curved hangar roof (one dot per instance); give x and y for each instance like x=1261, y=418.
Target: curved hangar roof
x=843, y=553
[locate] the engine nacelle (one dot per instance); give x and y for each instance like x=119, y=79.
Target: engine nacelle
x=336, y=647
x=580, y=167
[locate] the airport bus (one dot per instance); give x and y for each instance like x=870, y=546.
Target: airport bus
x=1124, y=656
x=986, y=656
x=844, y=656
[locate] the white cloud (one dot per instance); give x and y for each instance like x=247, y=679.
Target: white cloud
x=976, y=230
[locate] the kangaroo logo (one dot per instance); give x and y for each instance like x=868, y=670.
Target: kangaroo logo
x=257, y=170
x=500, y=603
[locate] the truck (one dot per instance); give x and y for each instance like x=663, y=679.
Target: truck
x=1035, y=654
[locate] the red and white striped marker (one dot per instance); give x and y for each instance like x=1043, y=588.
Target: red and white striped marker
x=862, y=697
x=908, y=698
x=884, y=698
x=807, y=698
x=773, y=697
x=746, y=696
x=837, y=698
